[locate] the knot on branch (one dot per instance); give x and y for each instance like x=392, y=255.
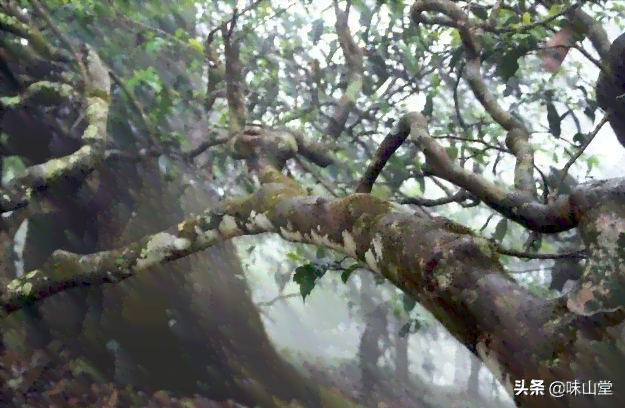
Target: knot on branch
x=276, y=146
x=258, y=142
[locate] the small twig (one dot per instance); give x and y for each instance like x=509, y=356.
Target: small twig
x=582, y=254
x=204, y=146
x=459, y=197
x=576, y=156
x=278, y=298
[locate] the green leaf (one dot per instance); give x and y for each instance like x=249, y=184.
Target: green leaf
x=223, y=119
x=509, y=64
x=180, y=33
x=509, y=20
x=405, y=329
x=306, y=276
x=421, y=183
x=378, y=64
x=408, y=59
x=196, y=45
x=428, y=109
x=554, y=120
x=417, y=324
x=480, y=13
x=500, y=230
x=536, y=243
x=348, y=272
x=590, y=111
x=579, y=138
x=409, y=302
x=13, y=167
x=555, y=9
x=295, y=257
x=321, y=252
x=379, y=279
x=593, y=162
x=365, y=13
x=334, y=46
x=452, y=151
x=317, y=31
x=436, y=81
x=397, y=6
x=155, y=45
x=456, y=56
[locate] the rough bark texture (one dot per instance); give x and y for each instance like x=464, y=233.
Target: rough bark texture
x=452, y=272
x=446, y=267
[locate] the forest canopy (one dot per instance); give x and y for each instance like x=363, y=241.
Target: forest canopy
x=437, y=145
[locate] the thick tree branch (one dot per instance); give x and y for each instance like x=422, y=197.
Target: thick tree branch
x=83, y=161
x=443, y=265
x=354, y=61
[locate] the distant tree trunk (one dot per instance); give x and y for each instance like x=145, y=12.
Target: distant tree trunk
x=401, y=359
x=369, y=351
x=473, y=385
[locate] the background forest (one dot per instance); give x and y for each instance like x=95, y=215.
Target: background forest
x=311, y=203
